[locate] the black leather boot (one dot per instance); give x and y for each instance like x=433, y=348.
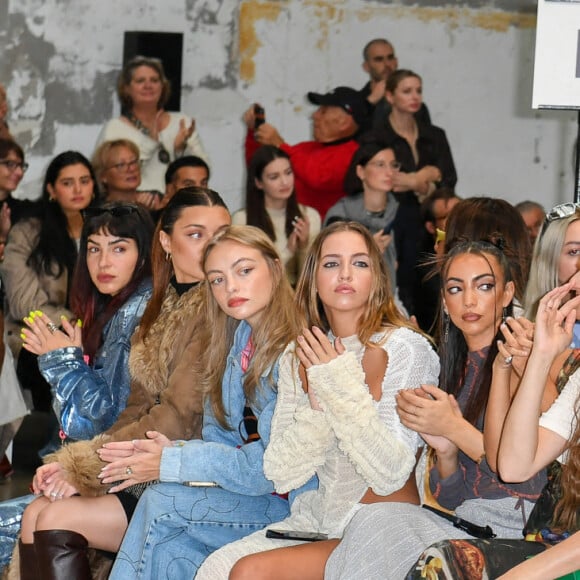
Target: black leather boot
x=61, y=555
x=27, y=561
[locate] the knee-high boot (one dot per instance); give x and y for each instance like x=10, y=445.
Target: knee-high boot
x=27, y=561
x=61, y=555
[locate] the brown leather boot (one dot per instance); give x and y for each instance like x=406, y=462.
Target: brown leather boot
x=61, y=555
x=27, y=561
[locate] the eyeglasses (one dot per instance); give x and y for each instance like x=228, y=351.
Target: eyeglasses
x=13, y=165
x=125, y=165
x=559, y=212
x=115, y=211
x=393, y=165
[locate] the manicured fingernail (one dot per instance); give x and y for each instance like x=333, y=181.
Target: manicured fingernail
x=31, y=314
x=38, y=312
x=63, y=317
x=79, y=323
x=22, y=336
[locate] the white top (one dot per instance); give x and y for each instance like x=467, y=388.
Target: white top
x=292, y=261
x=353, y=444
x=152, y=169
x=561, y=416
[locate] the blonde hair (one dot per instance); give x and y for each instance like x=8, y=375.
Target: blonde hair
x=381, y=310
x=278, y=324
x=545, y=263
x=100, y=160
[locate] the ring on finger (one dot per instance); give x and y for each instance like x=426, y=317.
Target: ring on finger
x=129, y=471
x=508, y=360
x=53, y=494
x=52, y=327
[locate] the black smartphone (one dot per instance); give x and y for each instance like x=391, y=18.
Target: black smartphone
x=259, y=116
x=388, y=229
x=295, y=535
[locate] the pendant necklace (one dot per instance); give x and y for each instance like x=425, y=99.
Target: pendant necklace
x=162, y=154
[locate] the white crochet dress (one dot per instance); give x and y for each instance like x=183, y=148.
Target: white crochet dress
x=353, y=444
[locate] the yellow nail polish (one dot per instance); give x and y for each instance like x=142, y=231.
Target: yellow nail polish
x=22, y=336
x=38, y=312
x=28, y=320
x=63, y=317
x=31, y=314
x=79, y=323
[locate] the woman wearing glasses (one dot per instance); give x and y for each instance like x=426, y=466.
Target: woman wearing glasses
x=370, y=201
x=118, y=169
x=161, y=136
x=12, y=170
x=164, y=396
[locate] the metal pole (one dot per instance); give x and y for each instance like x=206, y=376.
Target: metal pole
x=577, y=171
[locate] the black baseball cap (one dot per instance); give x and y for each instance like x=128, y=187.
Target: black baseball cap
x=346, y=98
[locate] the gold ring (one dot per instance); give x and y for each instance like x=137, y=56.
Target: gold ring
x=52, y=327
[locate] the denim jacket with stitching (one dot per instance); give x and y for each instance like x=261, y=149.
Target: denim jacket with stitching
x=222, y=455
x=88, y=399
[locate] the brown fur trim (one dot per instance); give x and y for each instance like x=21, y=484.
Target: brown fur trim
x=150, y=361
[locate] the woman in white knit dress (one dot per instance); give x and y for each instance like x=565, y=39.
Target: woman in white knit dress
x=335, y=417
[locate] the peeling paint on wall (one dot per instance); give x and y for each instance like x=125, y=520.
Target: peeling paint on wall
x=250, y=13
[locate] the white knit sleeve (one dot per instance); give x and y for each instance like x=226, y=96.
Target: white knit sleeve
x=299, y=436
x=370, y=433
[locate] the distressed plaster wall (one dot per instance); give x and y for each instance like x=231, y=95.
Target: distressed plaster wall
x=60, y=58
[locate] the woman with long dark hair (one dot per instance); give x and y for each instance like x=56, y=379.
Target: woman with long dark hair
x=271, y=205
x=40, y=256
x=87, y=363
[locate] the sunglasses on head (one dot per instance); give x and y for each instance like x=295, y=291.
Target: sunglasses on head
x=559, y=212
x=117, y=211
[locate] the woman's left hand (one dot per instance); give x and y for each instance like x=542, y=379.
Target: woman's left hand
x=184, y=133
x=43, y=335
x=315, y=348
x=132, y=462
x=427, y=410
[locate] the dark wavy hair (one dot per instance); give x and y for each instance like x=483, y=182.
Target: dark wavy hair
x=453, y=349
x=255, y=204
x=55, y=252
x=92, y=307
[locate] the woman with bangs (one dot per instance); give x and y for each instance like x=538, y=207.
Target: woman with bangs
x=214, y=490
x=164, y=394
x=335, y=417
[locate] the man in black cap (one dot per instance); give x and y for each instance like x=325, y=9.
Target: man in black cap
x=320, y=165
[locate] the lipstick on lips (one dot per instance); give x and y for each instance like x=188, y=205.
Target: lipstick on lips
x=344, y=289
x=105, y=278
x=235, y=302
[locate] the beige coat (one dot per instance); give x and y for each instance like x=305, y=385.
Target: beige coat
x=26, y=289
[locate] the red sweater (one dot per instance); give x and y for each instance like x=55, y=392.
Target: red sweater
x=319, y=170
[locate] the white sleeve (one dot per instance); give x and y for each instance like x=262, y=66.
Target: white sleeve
x=374, y=439
x=299, y=436
x=561, y=416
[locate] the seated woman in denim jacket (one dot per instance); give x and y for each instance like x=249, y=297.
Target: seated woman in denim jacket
x=251, y=319
x=86, y=363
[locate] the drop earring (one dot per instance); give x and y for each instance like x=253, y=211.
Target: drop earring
x=504, y=315
x=445, y=327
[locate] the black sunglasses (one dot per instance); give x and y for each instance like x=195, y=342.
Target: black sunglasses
x=117, y=211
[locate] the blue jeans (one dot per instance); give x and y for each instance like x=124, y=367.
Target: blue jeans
x=175, y=528
x=10, y=517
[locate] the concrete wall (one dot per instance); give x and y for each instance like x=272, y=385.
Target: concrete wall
x=60, y=58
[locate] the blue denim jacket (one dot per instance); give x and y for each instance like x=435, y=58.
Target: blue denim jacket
x=87, y=400
x=221, y=456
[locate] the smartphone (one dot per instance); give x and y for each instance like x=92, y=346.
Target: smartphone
x=388, y=229
x=295, y=535
x=259, y=116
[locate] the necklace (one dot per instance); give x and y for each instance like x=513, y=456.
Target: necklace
x=162, y=154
